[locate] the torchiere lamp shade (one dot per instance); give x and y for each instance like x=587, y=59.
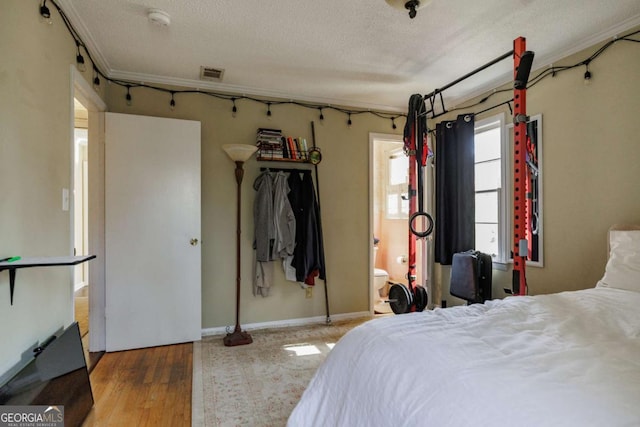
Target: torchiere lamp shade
x=239, y=152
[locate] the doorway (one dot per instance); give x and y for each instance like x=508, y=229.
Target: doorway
x=389, y=213
x=80, y=219
x=87, y=209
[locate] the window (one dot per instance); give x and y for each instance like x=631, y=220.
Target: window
x=493, y=187
x=397, y=184
x=491, y=182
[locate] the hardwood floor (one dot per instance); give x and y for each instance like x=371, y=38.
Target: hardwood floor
x=146, y=387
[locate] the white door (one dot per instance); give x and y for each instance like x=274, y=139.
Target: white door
x=152, y=231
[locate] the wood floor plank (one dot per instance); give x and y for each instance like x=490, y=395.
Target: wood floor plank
x=145, y=387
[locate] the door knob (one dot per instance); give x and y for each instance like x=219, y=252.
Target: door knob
x=194, y=242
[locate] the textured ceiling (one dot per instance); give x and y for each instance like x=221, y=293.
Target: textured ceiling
x=359, y=53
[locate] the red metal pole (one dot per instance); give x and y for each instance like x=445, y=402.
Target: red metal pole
x=520, y=178
x=413, y=206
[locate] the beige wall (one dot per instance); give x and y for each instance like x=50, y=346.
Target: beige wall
x=591, y=145
x=344, y=200
x=35, y=155
x=591, y=166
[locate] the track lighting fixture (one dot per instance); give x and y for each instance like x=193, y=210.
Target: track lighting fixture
x=393, y=123
x=80, y=59
x=45, y=13
x=349, y=122
x=321, y=115
x=172, y=103
x=268, y=109
x=128, y=96
x=234, y=110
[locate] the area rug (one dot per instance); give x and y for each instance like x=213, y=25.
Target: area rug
x=259, y=384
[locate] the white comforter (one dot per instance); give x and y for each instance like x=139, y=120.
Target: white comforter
x=567, y=359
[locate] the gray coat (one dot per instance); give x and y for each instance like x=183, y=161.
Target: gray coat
x=284, y=219
x=264, y=230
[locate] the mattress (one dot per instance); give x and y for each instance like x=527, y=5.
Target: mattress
x=566, y=359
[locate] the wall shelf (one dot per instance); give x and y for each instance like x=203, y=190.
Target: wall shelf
x=29, y=262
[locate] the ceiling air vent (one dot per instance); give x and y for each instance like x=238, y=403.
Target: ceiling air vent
x=210, y=73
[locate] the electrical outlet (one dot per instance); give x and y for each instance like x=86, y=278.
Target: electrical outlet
x=308, y=293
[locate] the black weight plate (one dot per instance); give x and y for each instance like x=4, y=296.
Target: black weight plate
x=420, y=297
x=399, y=298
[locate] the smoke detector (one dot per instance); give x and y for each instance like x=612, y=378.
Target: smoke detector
x=411, y=6
x=159, y=17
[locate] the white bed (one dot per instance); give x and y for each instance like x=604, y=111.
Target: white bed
x=566, y=359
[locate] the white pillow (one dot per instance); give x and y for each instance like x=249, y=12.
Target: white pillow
x=623, y=268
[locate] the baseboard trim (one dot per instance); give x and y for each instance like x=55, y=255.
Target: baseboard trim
x=287, y=322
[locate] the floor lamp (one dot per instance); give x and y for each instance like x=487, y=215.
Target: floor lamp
x=239, y=153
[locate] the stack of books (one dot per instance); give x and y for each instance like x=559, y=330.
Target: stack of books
x=272, y=145
x=269, y=142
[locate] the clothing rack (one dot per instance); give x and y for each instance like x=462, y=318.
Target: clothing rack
x=286, y=170
x=317, y=194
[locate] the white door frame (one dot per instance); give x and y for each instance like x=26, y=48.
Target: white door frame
x=372, y=138
x=85, y=93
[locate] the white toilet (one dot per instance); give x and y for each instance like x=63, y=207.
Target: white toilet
x=380, y=289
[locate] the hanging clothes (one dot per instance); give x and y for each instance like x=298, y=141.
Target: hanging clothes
x=264, y=234
x=274, y=228
x=263, y=219
x=284, y=218
x=308, y=257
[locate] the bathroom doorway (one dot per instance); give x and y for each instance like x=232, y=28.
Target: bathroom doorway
x=389, y=213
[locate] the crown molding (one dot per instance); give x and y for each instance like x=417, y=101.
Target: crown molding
x=549, y=59
x=246, y=91
x=100, y=61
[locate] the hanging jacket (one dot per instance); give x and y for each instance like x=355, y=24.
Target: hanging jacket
x=264, y=230
x=308, y=257
x=284, y=219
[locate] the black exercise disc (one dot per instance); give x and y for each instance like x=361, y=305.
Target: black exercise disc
x=420, y=297
x=400, y=298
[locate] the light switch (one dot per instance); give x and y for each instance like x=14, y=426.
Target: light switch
x=65, y=199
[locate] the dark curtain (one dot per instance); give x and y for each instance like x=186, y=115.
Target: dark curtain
x=455, y=188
